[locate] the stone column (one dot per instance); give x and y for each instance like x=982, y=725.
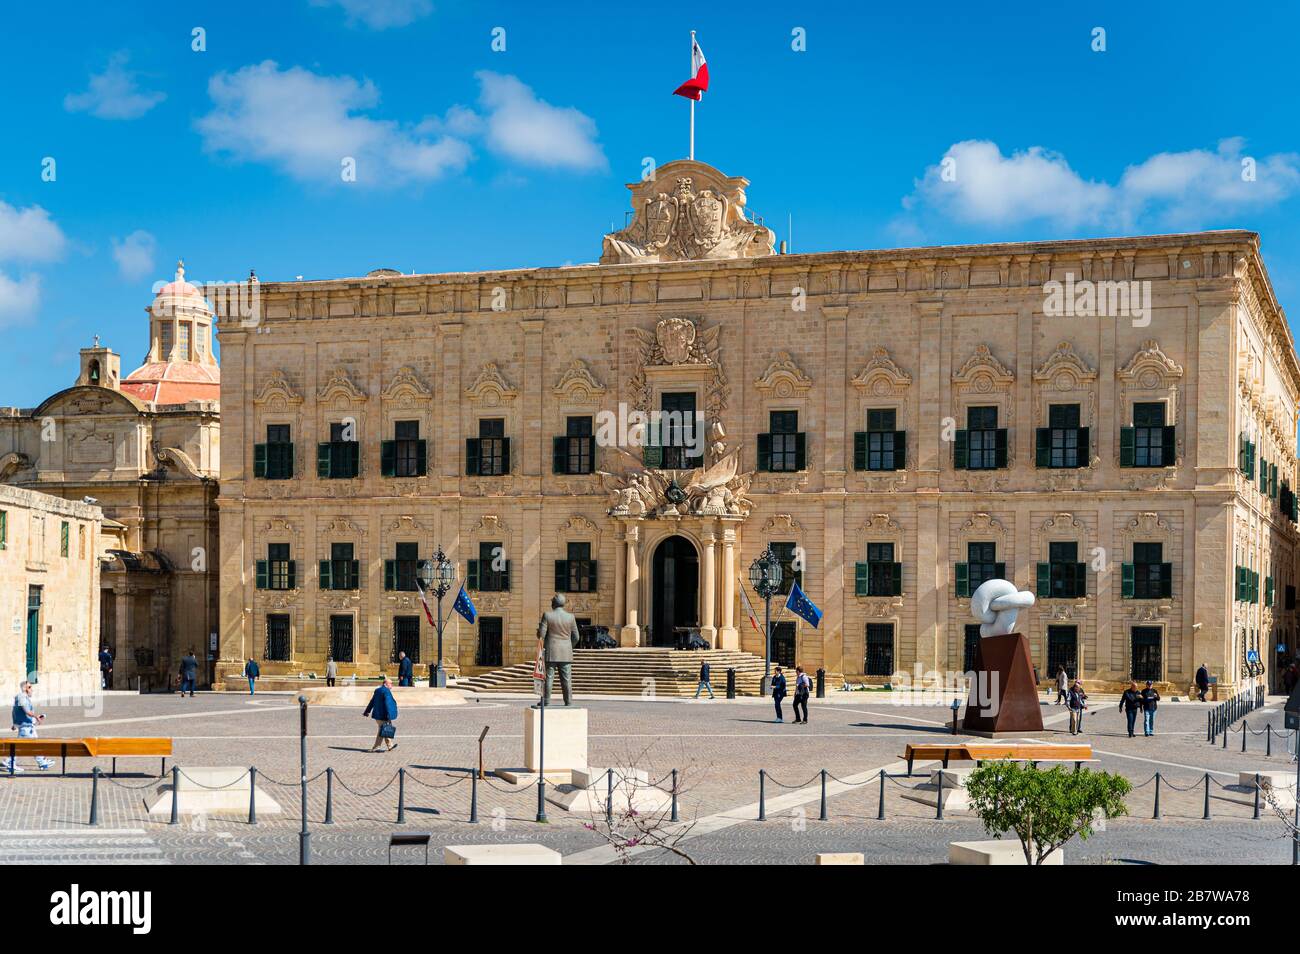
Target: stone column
x=708, y=589
x=728, y=638
x=620, y=584
x=631, y=634
x=124, y=661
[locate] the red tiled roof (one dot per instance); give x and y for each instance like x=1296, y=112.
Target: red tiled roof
x=174, y=383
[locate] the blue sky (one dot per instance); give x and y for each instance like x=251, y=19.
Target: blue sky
x=470, y=158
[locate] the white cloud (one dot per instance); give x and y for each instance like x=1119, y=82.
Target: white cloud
x=113, y=94
x=380, y=14
x=530, y=130
x=29, y=235
x=18, y=299
x=1169, y=190
x=134, y=254
x=307, y=124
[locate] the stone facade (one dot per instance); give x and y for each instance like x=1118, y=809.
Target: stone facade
x=1202, y=381
x=49, y=594
x=146, y=448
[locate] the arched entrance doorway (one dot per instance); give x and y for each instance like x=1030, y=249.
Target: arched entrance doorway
x=676, y=598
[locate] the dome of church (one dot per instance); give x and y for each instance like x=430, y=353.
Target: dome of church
x=174, y=382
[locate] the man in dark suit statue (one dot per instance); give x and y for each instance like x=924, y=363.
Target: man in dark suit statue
x=556, y=634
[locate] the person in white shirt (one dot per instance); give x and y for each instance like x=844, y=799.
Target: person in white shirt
x=25, y=720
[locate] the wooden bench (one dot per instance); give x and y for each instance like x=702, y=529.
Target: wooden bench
x=89, y=748
x=992, y=751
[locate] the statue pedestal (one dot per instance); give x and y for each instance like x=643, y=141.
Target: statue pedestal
x=566, y=738
x=1003, y=697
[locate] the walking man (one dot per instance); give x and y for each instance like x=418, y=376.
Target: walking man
x=1130, y=703
x=105, y=668
x=1202, y=681
x=1150, y=698
x=405, y=670
x=778, y=692
x=704, y=680
x=802, y=689
x=331, y=671
x=383, y=709
x=252, y=672
x=1062, y=684
x=556, y=633
x=1076, y=700
x=189, y=672
x=25, y=720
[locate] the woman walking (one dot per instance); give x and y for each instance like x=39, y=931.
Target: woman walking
x=778, y=692
x=802, y=689
x=383, y=709
x=1130, y=703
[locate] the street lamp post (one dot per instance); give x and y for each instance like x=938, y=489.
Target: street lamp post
x=438, y=574
x=765, y=577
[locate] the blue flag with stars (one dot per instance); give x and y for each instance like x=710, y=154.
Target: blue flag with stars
x=799, y=604
x=464, y=605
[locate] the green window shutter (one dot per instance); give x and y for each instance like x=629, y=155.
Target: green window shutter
x=860, y=577
x=1044, y=580
x=561, y=575
x=471, y=455
x=1127, y=443
x=592, y=575
x=387, y=458
x=259, y=460
x=1268, y=591
x=1043, y=447
x=1250, y=459
x=326, y=578
x=1085, y=452
x=471, y=574
x=801, y=451
x=963, y=578
x=293, y=574
x=261, y=574
x=1263, y=476
x=652, y=455
x=1081, y=579
x=505, y=455
x=898, y=580
x=390, y=574
x=859, y=450
x=1239, y=594
x=1000, y=448
x=421, y=457
x=559, y=455
x=1166, y=580
x=354, y=458
x=900, y=450
x=764, y=452
x=288, y=462
x=356, y=575
x=960, y=454
x=1128, y=585
x=1272, y=480
x=1241, y=452
x=323, y=458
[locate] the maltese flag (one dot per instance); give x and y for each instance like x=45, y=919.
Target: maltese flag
x=694, y=87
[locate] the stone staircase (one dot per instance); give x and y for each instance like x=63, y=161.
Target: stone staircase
x=634, y=672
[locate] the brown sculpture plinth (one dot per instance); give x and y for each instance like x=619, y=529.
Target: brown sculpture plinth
x=1004, y=671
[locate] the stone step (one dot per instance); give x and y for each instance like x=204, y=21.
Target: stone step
x=624, y=671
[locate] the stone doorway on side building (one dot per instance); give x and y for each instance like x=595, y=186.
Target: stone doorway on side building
x=675, y=599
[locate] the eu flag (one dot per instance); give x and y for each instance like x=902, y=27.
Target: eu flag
x=464, y=605
x=799, y=604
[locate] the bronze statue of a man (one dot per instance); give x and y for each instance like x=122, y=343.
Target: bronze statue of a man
x=556, y=634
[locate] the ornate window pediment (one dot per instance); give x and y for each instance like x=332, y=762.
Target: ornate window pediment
x=339, y=388
x=781, y=523
x=983, y=372
x=578, y=385
x=1064, y=370
x=491, y=387
x=406, y=387
x=783, y=378
x=881, y=375
x=982, y=526
x=277, y=391
x=1150, y=368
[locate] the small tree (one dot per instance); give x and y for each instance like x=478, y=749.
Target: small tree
x=1044, y=808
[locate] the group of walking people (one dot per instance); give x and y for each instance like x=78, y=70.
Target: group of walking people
x=1071, y=694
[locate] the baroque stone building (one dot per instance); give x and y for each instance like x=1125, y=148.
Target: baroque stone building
x=1110, y=423
x=146, y=449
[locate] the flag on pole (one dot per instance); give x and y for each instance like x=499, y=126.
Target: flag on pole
x=749, y=609
x=695, y=87
x=464, y=605
x=428, y=613
x=799, y=604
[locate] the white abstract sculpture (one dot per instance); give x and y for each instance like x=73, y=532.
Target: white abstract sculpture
x=996, y=604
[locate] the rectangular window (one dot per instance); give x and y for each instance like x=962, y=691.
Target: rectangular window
x=781, y=450
x=981, y=566
x=339, y=459
x=1146, y=653
x=1062, y=577
x=274, y=459
x=488, y=650
x=341, y=571
x=971, y=648
x=400, y=572
x=63, y=538
x=1148, y=443
x=879, y=659
x=406, y=637
x=341, y=633
x=881, y=446
x=491, y=571
x=1148, y=577
x=982, y=445
x=575, y=451
x=577, y=573
x=785, y=552
x=183, y=341
x=676, y=434
x=278, y=571
x=784, y=651
x=1063, y=444
x=1063, y=650
x=405, y=454
x=488, y=455
x=165, y=341
x=277, y=637
x=880, y=575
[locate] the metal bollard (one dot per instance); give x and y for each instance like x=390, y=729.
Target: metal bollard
x=1206, y=814
x=1244, y=731
x=1268, y=741
x=762, y=801
x=609, y=796
x=822, y=816
x=1225, y=738
x=401, y=795
x=880, y=814
x=1156, y=813
x=329, y=796
x=1256, y=816
x=938, y=803
x=252, y=795
x=1209, y=727
x=673, y=817
x=176, y=795
x=821, y=683
x=731, y=683
x=473, y=798
x=94, y=795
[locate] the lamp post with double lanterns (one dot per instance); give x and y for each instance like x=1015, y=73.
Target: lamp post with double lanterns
x=765, y=577
x=438, y=574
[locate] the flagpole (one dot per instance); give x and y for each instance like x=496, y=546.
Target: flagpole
x=692, y=73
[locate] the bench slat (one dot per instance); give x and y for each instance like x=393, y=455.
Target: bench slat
x=86, y=748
